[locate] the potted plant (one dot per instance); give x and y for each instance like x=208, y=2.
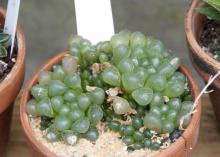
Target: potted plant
x=202, y=33
x=123, y=97
x=11, y=79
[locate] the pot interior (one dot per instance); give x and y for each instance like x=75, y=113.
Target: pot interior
x=2, y=21
x=197, y=22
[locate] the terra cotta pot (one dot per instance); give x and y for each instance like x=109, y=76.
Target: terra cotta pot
x=202, y=62
x=181, y=148
x=10, y=87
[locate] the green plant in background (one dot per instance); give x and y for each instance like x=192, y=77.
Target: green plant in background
x=212, y=11
x=4, y=38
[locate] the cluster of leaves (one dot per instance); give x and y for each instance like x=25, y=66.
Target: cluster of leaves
x=131, y=83
x=4, y=38
x=212, y=11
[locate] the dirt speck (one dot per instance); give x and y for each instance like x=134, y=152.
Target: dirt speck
x=210, y=38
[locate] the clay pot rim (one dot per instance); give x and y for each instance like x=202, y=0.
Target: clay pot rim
x=43, y=149
x=20, y=57
x=191, y=38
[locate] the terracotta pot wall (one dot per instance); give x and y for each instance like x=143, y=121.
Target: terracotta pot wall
x=202, y=62
x=10, y=87
x=181, y=148
x=5, y=125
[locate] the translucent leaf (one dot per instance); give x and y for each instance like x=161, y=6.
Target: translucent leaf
x=98, y=96
x=70, y=137
x=83, y=101
x=52, y=135
x=119, y=39
x=45, y=78
x=174, y=89
x=57, y=88
x=62, y=123
x=39, y=92
x=126, y=66
x=143, y=96
x=152, y=122
x=73, y=81
x=120, y=105
x=92, y=135
x=81, y=125
x=44, y=108
x=138, y=38
x=31, y=107
x=111, y=76
x=58, y=73
x=95, y=113
x=131, y=82
x=69, y=64
x=120, y=52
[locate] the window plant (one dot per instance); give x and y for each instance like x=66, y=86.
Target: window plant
x=202, y=34
x=128, y=87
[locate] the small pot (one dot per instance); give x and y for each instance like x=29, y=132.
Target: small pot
x=181, y=148
x=10, y=87
x=205, y=65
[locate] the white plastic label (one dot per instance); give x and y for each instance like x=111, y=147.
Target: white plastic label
x=94, y=19
x=11, y=20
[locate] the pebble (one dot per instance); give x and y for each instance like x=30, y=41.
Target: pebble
x=13, y=60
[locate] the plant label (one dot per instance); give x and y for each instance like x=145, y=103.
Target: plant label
x=11, y=20
x=94, y=19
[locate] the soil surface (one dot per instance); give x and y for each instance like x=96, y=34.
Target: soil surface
x=6, y=68
x=207, y=146
x=108, y=144
x=210, y=38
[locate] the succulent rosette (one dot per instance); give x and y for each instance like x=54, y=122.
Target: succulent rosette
x=130, y=83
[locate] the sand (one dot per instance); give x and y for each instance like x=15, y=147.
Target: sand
x=107, y=145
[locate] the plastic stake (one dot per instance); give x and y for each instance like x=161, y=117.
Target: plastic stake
x=94, y=19
x=11, y=20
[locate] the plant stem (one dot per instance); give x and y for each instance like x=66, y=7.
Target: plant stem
x=211, y=80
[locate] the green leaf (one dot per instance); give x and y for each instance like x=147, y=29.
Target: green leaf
x=216, y=48
x=3, y=52
x=217, y=57
x=4, y=38
x=213, y=3
x=210, y=12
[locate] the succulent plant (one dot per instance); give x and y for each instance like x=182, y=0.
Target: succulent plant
x=212, y=11
x=144, y=89
x=4, y=38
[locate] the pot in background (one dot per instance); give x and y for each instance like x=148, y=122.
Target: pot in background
x=181, y=148
x=10, y=87
x=205, y=65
